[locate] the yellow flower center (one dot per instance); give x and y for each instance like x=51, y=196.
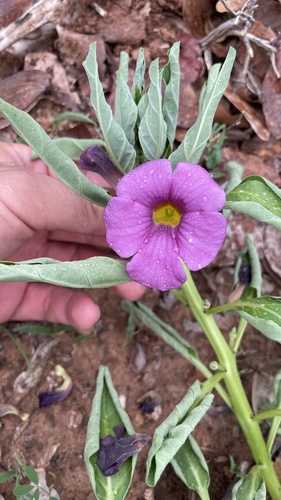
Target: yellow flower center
x=168, y=214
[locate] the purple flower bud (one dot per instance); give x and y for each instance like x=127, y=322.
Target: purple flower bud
x=96, y=160
x=46, y=399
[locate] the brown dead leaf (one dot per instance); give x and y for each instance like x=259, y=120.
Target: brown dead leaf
x=234, y=5
x=196, y=16
x=23, y=90
x=49, y=63
x=258, y=29
x=271, y=97
x=249, y=112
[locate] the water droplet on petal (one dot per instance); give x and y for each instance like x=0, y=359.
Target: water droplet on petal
x=151, y=172
x=146, y=240
x=199, y=266
x=190, y=240
x=205, y=198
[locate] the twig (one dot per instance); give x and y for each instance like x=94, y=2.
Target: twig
x=239, y=26
x=37, y=15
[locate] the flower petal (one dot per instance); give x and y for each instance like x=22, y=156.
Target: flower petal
x=127, y=225
x=148, y=184
x=199, y=238
x=157, y=264
x=194, y=189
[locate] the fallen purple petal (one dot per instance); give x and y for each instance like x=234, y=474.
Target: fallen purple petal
x=114, y=450
x=160, y=217
x=47, y=398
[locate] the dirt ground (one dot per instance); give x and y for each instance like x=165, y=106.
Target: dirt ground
x=53, y=438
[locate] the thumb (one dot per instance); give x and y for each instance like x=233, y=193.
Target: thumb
x=40, y=202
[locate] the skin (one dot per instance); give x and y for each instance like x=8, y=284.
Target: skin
x=41, y=217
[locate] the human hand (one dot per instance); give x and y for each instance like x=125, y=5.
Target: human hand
x=41, y=217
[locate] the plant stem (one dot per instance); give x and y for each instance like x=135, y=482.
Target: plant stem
x=240, y=404
x=240, y=332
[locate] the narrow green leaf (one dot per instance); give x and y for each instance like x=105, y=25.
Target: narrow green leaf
x=118, y=147
x=36, y=495
x=72, y=147
x=170, y=436
x=107, y=413
x=42, y=144
x=235, y=171
x=257, y=197
x=152, y=127
x=126, y=111
x=96, y=272
x=250, y=487
x=263, y=313
x=138, y=80
x=190, y=465
x=171, y=76
x=198, y=135
x=172, y=338
x=7, y=476
x=71, y=116
x=31, y=474
x=162, y=329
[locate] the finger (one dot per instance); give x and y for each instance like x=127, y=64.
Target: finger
x=40, y=302
x=31, y=202
x=131, y=291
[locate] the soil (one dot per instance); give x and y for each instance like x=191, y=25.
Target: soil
x=53, y=438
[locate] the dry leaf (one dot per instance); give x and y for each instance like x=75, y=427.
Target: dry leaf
x=248, y=111
x=271, y=98
x=23, y=90
x=234, y=5
x=196, y=16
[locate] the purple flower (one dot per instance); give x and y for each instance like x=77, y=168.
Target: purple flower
x=160, y=216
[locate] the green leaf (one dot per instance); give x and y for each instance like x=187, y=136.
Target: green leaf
x=22, y=489
x=162, y=329
x=96, y=272
x=118, y=147
x=72, y=147
x=250, y=487
x=235, y=171
x=258, y=198
x=71, y=116
x=138, y=80
x=152, y=127
x=34, y=135
x=7, y=476
x=126, y=111
x=170, y=436
x=107, y=413
x=263, y=313
x=190, y=465
x=171, y=337
x=198, y=135
x=171, y=76
x=31, y=474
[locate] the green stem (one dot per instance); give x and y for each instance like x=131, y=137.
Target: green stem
x=273, y=431
x=240, y=332
x=240, y=404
